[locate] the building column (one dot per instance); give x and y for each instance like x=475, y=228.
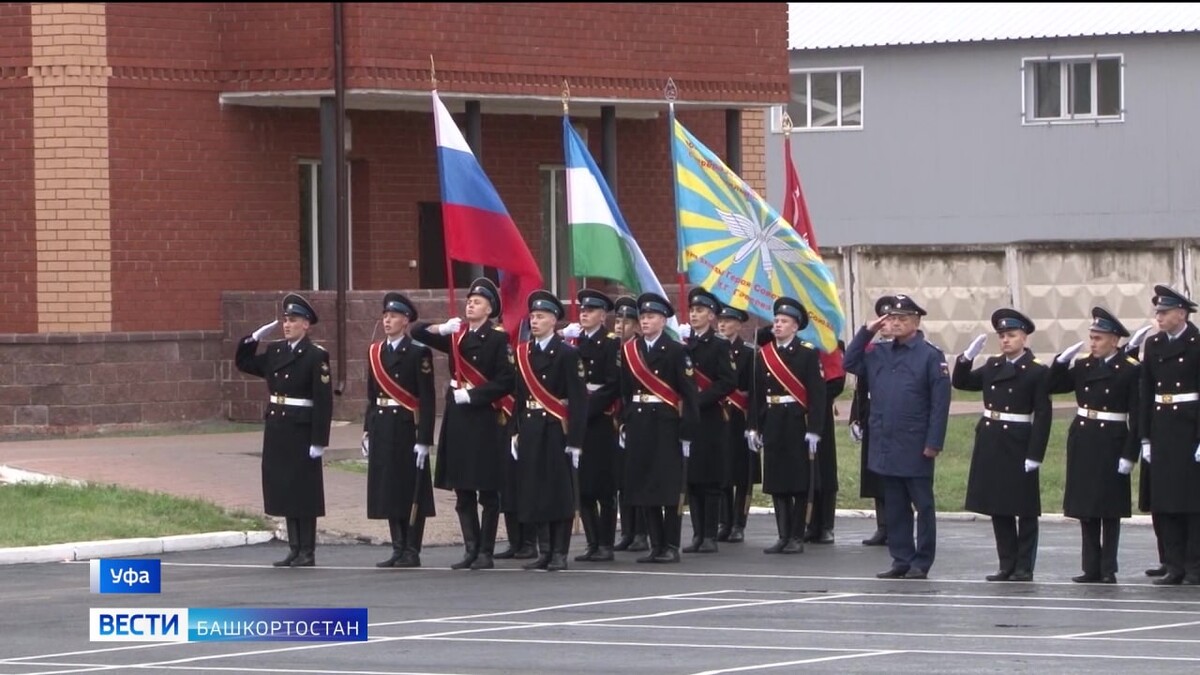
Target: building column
x=754, y=149
x=70, y=75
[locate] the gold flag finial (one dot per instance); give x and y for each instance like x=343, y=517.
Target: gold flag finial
x=671, y=92
x=786, y=122
x=432, y=72
x=566, y=96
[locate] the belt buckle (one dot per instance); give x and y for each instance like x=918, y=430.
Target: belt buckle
x=278, y=399
x=1092, y=414
x=1168, y=398
x=992, y=414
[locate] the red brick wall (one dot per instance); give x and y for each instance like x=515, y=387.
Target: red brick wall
x=18, y=234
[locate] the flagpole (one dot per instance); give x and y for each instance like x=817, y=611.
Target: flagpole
x=670, y=93
x=454, y=355
x=571, y=283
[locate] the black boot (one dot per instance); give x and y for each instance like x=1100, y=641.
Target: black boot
x=606, y=529
x=528, y=549
x=591, y=526
x=783, y=523
x=712, y=504
x=513, y=527
x=880, y=536
x=672, y=533
x=412, y=544
x=293, y=544
x=654, y=528
x=641, y=532
x=469, y=523
x=696, y=509
x=795, y=543
x=396, y=527
x=542, y=543
x=308, y=542
x=560, y=542
x=738, y=533
x=725, y=517
x=487, y=539
x=628, y=524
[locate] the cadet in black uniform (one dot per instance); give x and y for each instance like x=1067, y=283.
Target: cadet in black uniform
x=474, y=443
x=659, y=421
x=715, y=378
x=1010, y=441
x=548, y=427
x=787, y=416
x=1102, y=446
x=398, y=432
x=599, y=468
x=1169, y=426
x=633, y=521
x=298, y=414
x=743, y=468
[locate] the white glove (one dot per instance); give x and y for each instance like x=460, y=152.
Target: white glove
x=1124, y=467
x=513, y=448
x=621, y=437
x=1145, y=451
x=422, y=452
x=450, y=327
x=1031, y=465
x=264, y=329
x=752, y=440
x=366, y=445
x=1197, y=455
x=1139, y=337
x=575, y=454
x=685, y=331
x=813, y=440
x=462, y=396
x=1069, y=353
x=856, y=432
x=572, y=331
x=687, y=448
x=975, y=347
x=315, y=451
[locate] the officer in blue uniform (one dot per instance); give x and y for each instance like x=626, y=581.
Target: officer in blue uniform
x=910, y=404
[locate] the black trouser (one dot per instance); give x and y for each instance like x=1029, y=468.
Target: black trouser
x=479, y=532
x=824, y=510
x=1156, y=521
x=704, y=501
x=664, y=525
x=633, y=521
x=1100, y=539
x=302, y=535
x=598, y=513
x=1016, y=542
x=1181, y=543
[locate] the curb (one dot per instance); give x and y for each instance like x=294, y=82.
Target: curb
x=962, y=516
x=10, y=474
x=85, y=550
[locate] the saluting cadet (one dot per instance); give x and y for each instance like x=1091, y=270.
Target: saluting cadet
x=715, y=378
x=1102, y=446
x=398, y=432
x=910, y=406
x=548, y=428
x=599, y=468
x=299, y=411
x=1010, y=441
x=787, y=404
x=743, y=469
x=1169, y=426
x=633, y=521
x=869, y=486
x=659, y=421
x=474, y=443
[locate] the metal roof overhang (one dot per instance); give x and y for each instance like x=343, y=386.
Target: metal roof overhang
x=491, y=104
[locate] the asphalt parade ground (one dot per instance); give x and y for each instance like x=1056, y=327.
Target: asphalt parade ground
x=737, y=611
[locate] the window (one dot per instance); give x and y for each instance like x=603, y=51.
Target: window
x=1073, y=89
x=556, y=240
x=310, y=224
x=824, y=99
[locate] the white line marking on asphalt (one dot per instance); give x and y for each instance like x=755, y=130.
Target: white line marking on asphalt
x=781, y=664
x=1130, y=630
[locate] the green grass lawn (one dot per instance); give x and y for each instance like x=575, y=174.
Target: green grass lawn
x=54, y=514
x=351, y=465
x=953, y=465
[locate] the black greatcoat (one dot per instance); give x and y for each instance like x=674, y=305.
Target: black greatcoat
x=860, y=411
x=1172, y=367
x=544, y=490
x=709, y=453
x=293, y=483
x=743, y=467
x=998, y=484
x=394, y=430
x=783, y=426
x=653, y=455
x=473, y=445
x=600, y=466
x=1094, y=487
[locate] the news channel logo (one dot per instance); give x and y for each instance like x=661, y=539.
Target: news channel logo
x=207, y=624
x=126, y=576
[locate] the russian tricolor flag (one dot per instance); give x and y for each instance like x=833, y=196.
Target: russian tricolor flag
x=477, y=225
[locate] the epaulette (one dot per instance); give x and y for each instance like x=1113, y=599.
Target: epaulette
x=1036, y=361
x=808, y=344
x=1132, y=360
x=497, y=327
x=418, y=343
x=612, y=335
x=319, y=347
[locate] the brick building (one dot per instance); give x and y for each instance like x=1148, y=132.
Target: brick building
x=160, y=170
